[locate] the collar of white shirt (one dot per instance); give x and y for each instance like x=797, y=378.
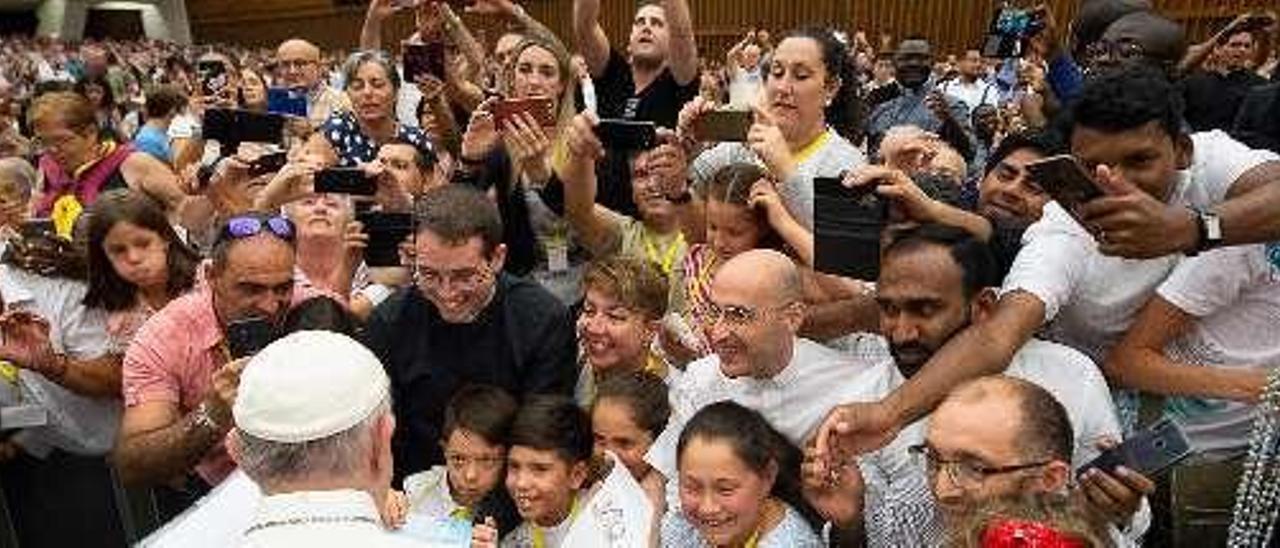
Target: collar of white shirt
x=327, y=506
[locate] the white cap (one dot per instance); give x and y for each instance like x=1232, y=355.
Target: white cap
x=307, y=386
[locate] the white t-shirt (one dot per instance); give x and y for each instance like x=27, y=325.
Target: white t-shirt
x=745, y=87
x=1089, y=298
x=980, y=92
x=1234, y=293
x=795, y=401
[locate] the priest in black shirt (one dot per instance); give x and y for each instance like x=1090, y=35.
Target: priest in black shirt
x=655, y=78
x=464, y=321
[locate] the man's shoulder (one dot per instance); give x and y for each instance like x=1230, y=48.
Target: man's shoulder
x=529, y=300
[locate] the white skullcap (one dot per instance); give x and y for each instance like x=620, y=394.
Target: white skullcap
x=308, y=386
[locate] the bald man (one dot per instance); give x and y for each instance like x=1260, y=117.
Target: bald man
x=756, y=309
x=298, y=66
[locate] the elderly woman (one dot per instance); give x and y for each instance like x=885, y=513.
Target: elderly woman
x=352, y=138
x=17, y=179
x=78, y=165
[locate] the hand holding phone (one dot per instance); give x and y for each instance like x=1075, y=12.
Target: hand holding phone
x=723, y=126
x=245, y=337
x=1149, y=452
x=1066, y=181
x=421, y=60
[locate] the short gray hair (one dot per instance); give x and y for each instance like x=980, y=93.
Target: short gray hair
x=18, y=173
x=377, y=57
x=341, y=454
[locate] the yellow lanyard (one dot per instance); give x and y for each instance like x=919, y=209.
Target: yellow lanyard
x=540, y=536
x=104, y=150
x=461, y=513
x=668, y=256
x=812, y=148
x=752, y=540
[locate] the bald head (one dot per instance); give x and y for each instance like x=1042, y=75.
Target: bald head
x=298, y=64
x=763, y=271
x=1043, y=428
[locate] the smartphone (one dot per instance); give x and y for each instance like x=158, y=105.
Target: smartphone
x=847, y=224
x=1066, y=181
x=230, y=127
x=345, y=180
x=723, y=125
x=386, y=232
x=247, y=336
x=268, y=163
x=1148, y=452
x=1256, y=22
x=287, y=101
x=37, y=228
x=423, y=60
x=542, y=109
x=627, y=135
x=213, y=77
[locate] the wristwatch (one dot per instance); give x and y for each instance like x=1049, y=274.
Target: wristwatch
x=1210, y=227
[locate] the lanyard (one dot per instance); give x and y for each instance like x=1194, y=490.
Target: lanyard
x=540, y=536
x=461, y=513
x=667, y=259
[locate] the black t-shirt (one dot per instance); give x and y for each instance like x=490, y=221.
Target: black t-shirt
x=617, y=97
x=523, y=342
x=1213, y=98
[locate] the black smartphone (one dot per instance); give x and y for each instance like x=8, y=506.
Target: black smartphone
x=1148, y=452
x=345, y=180
x=234, y=126
x=37, y=228
x=386, y=232
x=213, y=77
x=1064, y=179
x=627, y=135
x=723, y=126
x=423, y=60
x=268, y=163
x=847, y=224
x=247, y=336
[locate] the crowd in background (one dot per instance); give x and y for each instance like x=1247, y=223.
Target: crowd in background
x=818, y=292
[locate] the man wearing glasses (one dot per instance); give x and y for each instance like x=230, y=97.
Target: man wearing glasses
x=179, y=375
x=298, y=67
x=756, y=308
x=464, y=321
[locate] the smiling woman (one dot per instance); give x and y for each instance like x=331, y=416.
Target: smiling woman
x=351, y=138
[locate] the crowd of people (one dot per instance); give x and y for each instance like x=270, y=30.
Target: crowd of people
x=561, y=291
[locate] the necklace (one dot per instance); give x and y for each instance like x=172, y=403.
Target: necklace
x=309, y=521
x=1258, y=496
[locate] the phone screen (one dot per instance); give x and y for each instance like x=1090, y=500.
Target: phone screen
x=213, y=77
x=847, y=223
x=423, y=60
x=248, y=336
x=345, y=180
x=627, y=135
x=1148, y=452
x=723, y=126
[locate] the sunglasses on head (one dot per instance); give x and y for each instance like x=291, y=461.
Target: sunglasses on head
x=246, y=226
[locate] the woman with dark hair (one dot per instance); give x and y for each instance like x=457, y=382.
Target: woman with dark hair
x=348, y=139
x=98, y=91
x=137, y=262
x=809, y=93
x=735, y=482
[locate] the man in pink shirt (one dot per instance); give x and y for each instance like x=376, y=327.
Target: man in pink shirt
x=179, y=378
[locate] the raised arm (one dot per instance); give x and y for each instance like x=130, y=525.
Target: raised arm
x=592, y=42
x=371, y=31
x=578, y=175
x=683, y=54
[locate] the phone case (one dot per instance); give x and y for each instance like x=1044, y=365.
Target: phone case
x=1149, y=452
x=248, y=336
x=847, y=225
x=345, y=181
x=627, y=135
x=540, y=107
x=723, y=126
x=386, y=232
x=423, y=60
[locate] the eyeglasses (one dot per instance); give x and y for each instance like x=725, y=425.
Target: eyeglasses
x=458, y=460
x=294, y=64
x=247, y=226
x=965, y=473
x=1117, y=51
x=463, y=279
x=733, y=314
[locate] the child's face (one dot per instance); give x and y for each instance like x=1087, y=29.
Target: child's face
x=543, y=484
x=616, y=430
x=474, y=465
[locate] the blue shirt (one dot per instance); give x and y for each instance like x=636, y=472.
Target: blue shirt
x=154, y=142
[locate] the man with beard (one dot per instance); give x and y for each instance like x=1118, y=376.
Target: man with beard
x=921, y=103
x=464, y=320
x=655, y=78
x=934, y=282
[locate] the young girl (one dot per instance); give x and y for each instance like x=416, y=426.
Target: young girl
x=625, y=301
x=731, y=465
x=548, y=470
x=630, y=411
x=443, y=500
x=137, y=263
